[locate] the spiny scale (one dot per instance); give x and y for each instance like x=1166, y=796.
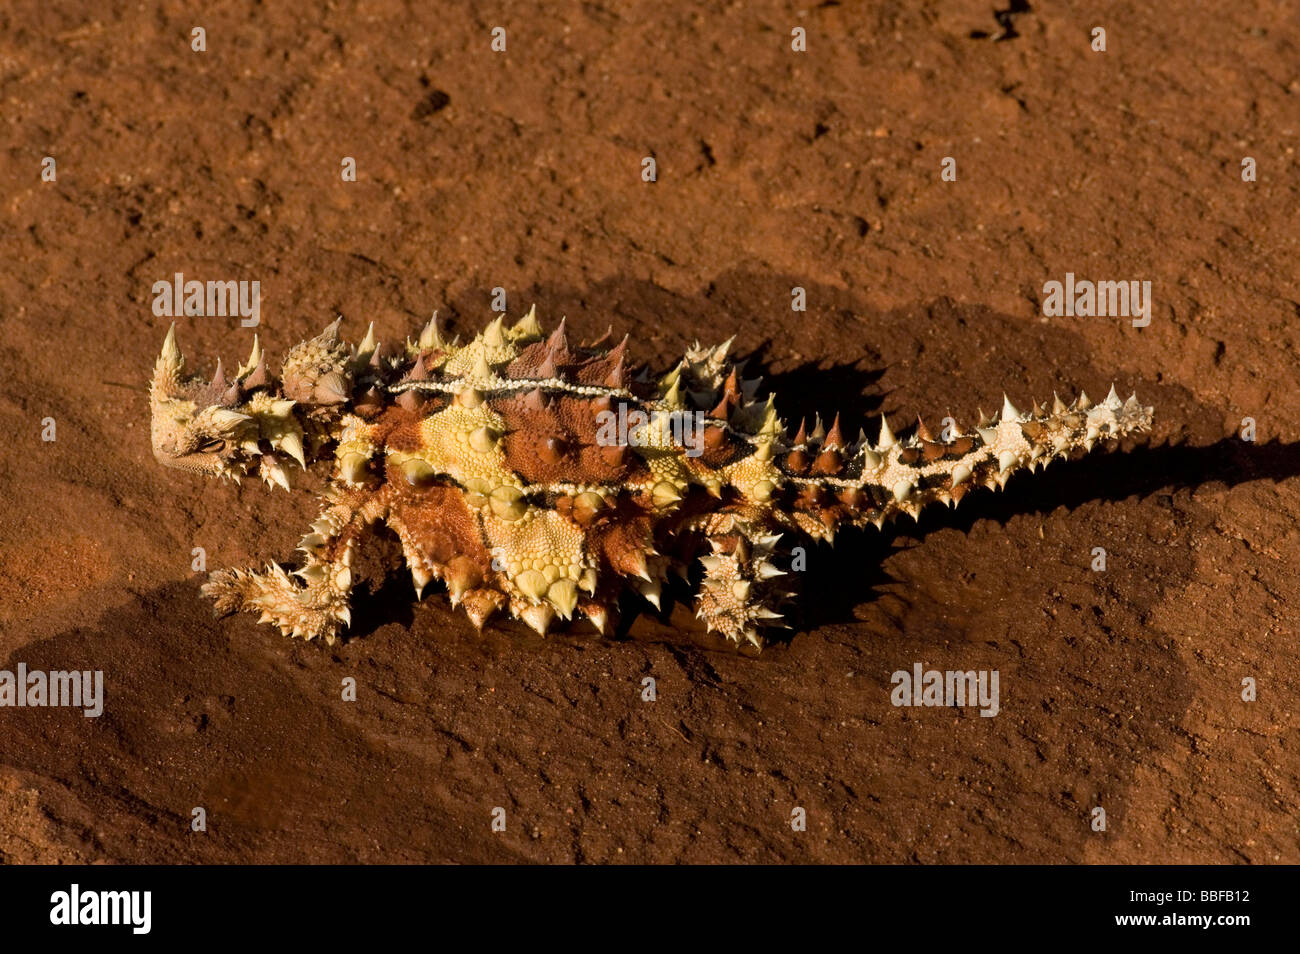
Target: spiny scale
x=537, y=477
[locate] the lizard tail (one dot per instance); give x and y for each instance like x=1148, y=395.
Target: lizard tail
x=830, y=485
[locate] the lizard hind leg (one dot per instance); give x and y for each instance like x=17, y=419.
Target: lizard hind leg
x=737, y=597
x=310, y=602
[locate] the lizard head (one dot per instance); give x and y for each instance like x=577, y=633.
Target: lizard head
x=224, y=428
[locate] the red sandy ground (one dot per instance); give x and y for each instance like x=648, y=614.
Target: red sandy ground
x=477, y=169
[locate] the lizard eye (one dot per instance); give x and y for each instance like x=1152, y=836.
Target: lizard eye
x=210, y=446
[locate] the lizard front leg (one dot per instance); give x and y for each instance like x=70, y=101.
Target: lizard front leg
x=316, y=603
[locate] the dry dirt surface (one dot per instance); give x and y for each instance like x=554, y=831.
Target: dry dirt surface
x=776, y=168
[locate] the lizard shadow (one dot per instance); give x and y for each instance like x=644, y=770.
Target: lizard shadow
x=800, y=390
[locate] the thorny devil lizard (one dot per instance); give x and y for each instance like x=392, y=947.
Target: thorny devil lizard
x=545, y=479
